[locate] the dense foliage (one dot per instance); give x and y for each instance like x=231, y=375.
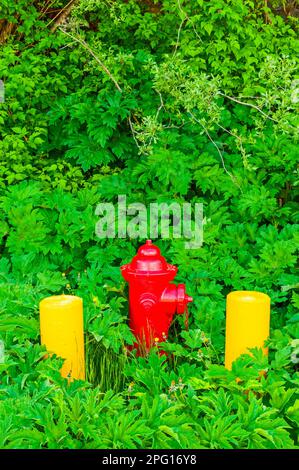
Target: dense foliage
x=191, y=101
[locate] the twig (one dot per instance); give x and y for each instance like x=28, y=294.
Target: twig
x=249, y=105
x=67, y=45
x=178, y=36
x=243, y=152
x=61, y=15
x=188, y=19
x=107, y=71
x=86, y=46
x=249, y=97
x=257, y=108
x=45, y=8
x=266, y=15
x=158, y=112
x=133, y=133
x=173, y=126
x=218, y=150
x=161, y=103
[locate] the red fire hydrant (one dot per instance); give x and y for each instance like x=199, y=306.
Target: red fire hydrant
x=153, y=299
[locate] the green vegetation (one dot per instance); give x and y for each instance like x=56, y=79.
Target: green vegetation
x=189, y=101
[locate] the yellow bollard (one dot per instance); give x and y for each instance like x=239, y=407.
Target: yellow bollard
x=247, y=323
x=61, y=328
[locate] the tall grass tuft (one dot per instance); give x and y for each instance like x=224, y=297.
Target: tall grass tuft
x=104, y=367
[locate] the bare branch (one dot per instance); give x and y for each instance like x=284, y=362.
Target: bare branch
x=133, y=133
x=239, y=140
x=61, y=15
x=249, y=105
x=107, y=71
x=86, y=46
x=161, y=103
x=178, y=36
x=6, y=29
x=218, y=150
x=188, y=19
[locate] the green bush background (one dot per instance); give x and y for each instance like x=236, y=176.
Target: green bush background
x=161, y=101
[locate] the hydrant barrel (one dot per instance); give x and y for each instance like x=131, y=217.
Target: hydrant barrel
x=153, y=299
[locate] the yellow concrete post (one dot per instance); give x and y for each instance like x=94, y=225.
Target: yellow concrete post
x=61, y=328
x=247, y=323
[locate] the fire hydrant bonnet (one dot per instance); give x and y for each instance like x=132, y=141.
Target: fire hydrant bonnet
x=149, y=261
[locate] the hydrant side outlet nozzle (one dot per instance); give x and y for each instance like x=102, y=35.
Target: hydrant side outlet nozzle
x=153, y=299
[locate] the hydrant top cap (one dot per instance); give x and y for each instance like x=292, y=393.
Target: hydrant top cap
x=149, y=260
